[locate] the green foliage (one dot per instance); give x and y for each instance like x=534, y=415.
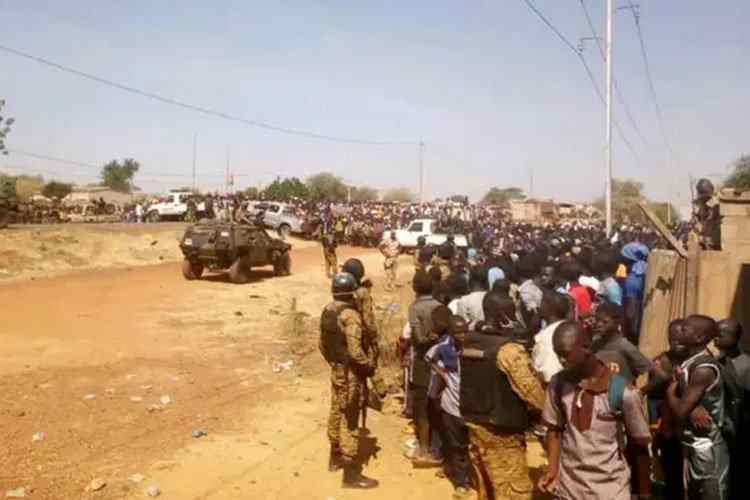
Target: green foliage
x=626, y=194
x=740, y=176
x=326, y=187
x=5, y=124
x=665, y=211
x=284, y=189
x=119, y=176
x=401, y=195
x=55, y=189
x=251, y=193
x=501, y=196
x=28, y=185
x=364, y=193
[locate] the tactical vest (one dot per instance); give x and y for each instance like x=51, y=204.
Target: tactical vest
x=332, y=342
x=486, y=394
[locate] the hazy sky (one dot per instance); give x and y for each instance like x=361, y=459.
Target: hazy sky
x=488, y=87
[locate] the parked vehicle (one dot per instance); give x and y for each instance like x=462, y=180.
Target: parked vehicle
x=233, y=247
x=174, y=208
x=427, y=228
x=278, y=216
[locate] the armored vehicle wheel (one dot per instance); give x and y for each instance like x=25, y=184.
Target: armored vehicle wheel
x=285, y=231
x=239, y=273
x=4, y=218
x=191, y=270
x=282, y=266
x=153, y=216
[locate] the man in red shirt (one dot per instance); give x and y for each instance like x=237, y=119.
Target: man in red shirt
x=571, y=272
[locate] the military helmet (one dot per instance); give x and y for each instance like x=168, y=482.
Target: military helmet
x=343, y=284
x=355, y=268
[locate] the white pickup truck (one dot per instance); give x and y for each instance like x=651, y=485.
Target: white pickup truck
x=174, y=207
x=408, y=237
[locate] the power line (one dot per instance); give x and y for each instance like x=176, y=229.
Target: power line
x=586, y=66
x=199, y=109
x=620, y=97
x=651, y=86
x=92, y=166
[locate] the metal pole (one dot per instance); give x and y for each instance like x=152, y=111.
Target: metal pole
x=195, y=147
x=226, y=182
x=531, y=183
x=608, y=171
x=421, y=172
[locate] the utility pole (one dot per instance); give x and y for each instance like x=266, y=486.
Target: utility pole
x=226, y=183
x=195, y=148
x=531, y=183
x=608, y=168
x=421, y=172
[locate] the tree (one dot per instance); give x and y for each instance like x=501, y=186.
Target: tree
x=665, y=211
x=28, y=185
x=55, y=189
x=364, y=193
x=401, y=195
x=119, y=176
x=285, y=189
x=740, y=176
x=5, y=124
x=326, y=187
x=501, y=196
x=626, y=194
x=251, y=193
x=459, y=198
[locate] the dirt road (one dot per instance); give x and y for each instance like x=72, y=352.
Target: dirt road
x=88, y=357
x=107, y=373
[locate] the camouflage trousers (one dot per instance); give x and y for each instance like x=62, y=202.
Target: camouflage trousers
x=499, y=462
x=391, y=271
x=332, y=264
x=346, y=405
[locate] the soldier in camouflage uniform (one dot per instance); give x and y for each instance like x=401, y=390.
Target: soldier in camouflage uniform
x=365, y=307
x=706, y=219
x=390, y=249
x=342, y=343
x=329, y=254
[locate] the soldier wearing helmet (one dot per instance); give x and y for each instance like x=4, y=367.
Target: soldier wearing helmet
x=343, y=345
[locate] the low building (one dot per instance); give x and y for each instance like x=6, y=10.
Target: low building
x=533, y=211
x=89, y=194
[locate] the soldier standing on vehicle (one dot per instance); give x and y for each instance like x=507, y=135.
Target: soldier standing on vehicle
x=365, y=307
x=342, y=344
x=329, y=254
x=390, y=249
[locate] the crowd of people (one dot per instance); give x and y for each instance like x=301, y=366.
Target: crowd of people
x=543, y=337
x=534, y=331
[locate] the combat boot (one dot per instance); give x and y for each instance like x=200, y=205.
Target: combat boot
x=335, y=461
x=354, y=479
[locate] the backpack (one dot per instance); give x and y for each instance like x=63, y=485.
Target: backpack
x=615, y=396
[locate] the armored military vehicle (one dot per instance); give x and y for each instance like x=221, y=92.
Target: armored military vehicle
x=8, y=201
x=234, y=247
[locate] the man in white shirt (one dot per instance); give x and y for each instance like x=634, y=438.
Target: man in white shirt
x=554, y=310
